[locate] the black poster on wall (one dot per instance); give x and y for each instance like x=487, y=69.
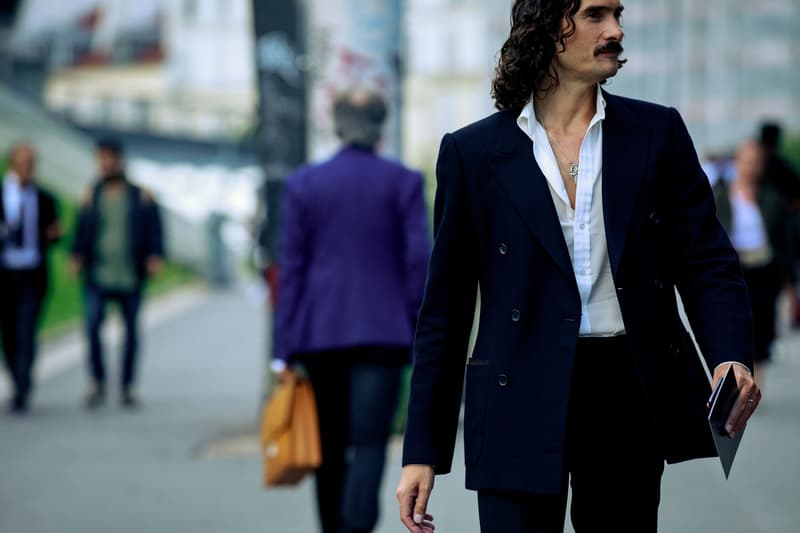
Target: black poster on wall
x=279, y=40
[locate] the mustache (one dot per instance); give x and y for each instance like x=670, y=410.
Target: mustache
x=610, y=46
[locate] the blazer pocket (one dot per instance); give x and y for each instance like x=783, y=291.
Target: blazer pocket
x=475, y=408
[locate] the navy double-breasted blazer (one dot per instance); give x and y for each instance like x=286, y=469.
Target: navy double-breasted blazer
x=497, y=232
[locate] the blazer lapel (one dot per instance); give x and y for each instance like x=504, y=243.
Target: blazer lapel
x=625, y=151
x=515, y=171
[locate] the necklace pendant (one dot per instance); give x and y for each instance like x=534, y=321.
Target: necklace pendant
x=573, y=171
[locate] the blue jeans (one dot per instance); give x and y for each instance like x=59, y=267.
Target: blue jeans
x=129, y=303
x=356, y=402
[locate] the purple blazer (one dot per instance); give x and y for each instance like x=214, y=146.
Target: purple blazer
x=353, y=256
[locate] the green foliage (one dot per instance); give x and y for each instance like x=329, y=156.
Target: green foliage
x=791, y=149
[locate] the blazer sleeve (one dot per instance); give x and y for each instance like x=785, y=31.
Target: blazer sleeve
x=83, y=230
x=416, y=242
x=445, y=321
x=705, y=265
x=155, y=228
x=292, y=267
x=49, y=214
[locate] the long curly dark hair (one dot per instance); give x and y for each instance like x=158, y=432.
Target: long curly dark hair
x=526, y=59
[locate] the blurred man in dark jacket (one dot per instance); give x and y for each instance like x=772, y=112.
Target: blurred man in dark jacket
x=28, y=226
x=118, y=245
x=779, y=175
x=354, y=251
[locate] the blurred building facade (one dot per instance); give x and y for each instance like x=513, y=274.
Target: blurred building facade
x=725, y=64
x=175, y=80
x=353, y=43
x=181, y=68
x=452, y=48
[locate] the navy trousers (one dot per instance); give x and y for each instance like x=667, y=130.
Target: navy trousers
x=20, y=306
x=612, y=458
x=356, y=392
x=129, y=302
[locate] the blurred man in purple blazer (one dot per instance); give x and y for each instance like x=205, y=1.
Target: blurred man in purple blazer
x=354, y=250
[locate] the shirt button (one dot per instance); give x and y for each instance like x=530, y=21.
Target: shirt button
x=515, y=315
x=502, y=380
x=583, y=226
x=503, y=248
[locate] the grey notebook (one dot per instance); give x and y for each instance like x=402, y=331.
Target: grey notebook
x=722, y=401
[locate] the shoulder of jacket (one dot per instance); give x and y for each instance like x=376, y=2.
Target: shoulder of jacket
x=640, y=111
x=479, y=129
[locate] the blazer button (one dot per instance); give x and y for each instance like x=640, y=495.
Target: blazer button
x=503, y=248
x=502, y=380
x=654, y=218
x=658, y=283
x=515, y=315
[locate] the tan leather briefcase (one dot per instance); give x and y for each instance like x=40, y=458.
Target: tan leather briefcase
x=290, y=434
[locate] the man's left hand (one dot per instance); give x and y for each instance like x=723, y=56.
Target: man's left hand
x=749, y=397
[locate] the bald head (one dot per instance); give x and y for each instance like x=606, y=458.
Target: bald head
x=358, y=117
x=22, y=161
x=749, y=161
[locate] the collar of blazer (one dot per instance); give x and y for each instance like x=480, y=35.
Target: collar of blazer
x=626, y=143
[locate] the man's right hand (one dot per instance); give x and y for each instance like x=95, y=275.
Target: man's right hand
x=416, y=484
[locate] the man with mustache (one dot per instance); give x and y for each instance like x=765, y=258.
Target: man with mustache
x=576, y=214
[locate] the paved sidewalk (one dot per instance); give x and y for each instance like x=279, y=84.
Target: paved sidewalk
x=188, y=461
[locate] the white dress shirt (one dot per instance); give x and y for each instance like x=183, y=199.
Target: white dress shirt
x=14, y=197
x=747, y=231
x=583, y=227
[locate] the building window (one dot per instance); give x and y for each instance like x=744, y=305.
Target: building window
x=189, y=11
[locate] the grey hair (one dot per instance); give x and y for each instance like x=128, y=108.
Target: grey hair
x=358, y=117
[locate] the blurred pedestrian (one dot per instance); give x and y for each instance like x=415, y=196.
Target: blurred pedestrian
x=354, y=249
x=779, y=174
x=118, y=245
x=28, y=227
x=577, y=213
x=756, y=216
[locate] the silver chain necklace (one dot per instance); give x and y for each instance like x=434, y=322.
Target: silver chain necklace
x=573, y=165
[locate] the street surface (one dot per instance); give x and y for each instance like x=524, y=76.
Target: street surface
x=188, y=460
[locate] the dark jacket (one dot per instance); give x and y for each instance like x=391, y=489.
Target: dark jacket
x=146, y=234
x=354, y=249
x=48, y=216
x=777, y=222
x=496, y=229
